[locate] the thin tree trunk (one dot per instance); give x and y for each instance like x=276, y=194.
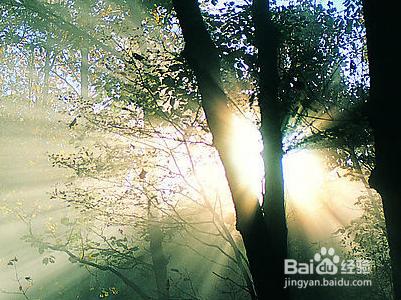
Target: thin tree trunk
x=47, y=68
x=84, y=73
x=381, y=22
x=202, y=56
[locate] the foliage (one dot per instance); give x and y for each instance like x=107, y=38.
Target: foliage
x=141, y=164
x=365, y=238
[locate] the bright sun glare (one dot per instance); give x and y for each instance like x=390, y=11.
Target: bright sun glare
x=246, y=149
x=304, y=175
x=303, y=170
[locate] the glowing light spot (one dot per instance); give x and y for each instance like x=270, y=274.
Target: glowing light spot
x=304, y=175
x=246, y=145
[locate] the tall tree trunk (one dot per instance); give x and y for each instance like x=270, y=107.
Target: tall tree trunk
x=202, y=56
x=84, y=73
x=381, y=22
x=266, y=40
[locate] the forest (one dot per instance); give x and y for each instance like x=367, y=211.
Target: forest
x=200, y=149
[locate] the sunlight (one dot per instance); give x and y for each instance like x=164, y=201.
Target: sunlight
x=317, y=202
x=247, y=146
x=304, y=176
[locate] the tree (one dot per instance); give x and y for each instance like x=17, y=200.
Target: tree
x=308, y=81
x=272, y=115
x=203, y=58
x=381, y=23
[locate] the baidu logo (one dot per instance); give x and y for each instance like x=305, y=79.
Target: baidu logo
x=326, y=262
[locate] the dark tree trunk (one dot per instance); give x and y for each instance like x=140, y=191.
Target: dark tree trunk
x=266, y=40
x=384, y=51
x=202, y=56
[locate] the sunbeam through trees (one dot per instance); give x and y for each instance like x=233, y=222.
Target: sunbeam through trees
x=192, y=149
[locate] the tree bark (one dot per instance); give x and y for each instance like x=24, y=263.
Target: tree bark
x=266, y=40
x=203, y=58
x=381, y=22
